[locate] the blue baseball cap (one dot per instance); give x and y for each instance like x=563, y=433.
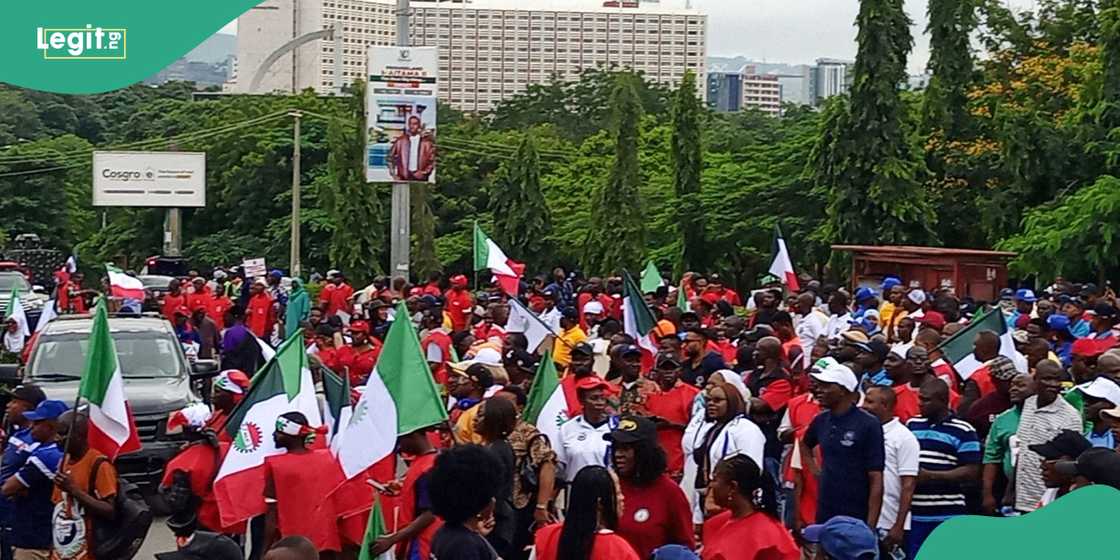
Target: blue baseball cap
x=47, y=410
x=1056, y=322
x=890, y=282
x=864, y=293
x=1025, y=295
x=844, y=538
x=276, y=273
x=673, y=552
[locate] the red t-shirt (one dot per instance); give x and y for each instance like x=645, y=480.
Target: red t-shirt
x=302, y=482
x=655, y=515
x=802, y=409
x=442, y=341
x=328, y=355
x=421, y=546
x=359, y=364
x=431, y=289
x=983, y=379
x=217, y=310
x=675, y=406
x=459, y=307
x=906, y=401
x=170, y=304
x=203, y=300
x=325, y=295
x=340, y=299
x=757, y=536
x=608, y=545
x=260, y=315
x=200, y=461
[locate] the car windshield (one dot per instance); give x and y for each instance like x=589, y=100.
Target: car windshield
x=13, y=281
x=142, y=355
x=156, y=282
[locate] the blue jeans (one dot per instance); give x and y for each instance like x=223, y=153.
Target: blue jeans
x=919, y=532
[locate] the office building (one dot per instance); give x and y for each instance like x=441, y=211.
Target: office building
x=725, y=91
x=762, y=93
x=831, y=77
x=490, y=50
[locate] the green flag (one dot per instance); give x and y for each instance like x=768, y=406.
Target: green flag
x=651, y=278
x=375, y=529
x=546, y=407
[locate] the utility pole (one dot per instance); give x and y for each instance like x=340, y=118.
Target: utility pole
x=400, y=236
x=173, y=233
x=295, y=272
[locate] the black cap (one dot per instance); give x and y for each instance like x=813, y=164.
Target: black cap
x=667, y=361
x=1089, y=289
x=629, y=350
x=632, y=429
x=583, y=348
x=569, y=313
x=1104, y=310
x=1100, y=465
x=521, y=359
x=876, y=347
x=28, y=393
x=324, y=329
x=1067, y=443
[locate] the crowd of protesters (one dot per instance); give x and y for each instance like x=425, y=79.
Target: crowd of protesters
x=820, y=421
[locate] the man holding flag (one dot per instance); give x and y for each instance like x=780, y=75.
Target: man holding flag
x=297, y=487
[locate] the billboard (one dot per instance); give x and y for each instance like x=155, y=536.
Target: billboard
x=171, y=179
x=401, y=114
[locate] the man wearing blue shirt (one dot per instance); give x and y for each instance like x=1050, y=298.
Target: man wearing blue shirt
x=30, y=488
x=17, y=449
x=949, y=459
x=851, y=441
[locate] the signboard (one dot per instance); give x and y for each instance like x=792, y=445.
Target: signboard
x=171, y=179
x=254, y=268
x=401, y=114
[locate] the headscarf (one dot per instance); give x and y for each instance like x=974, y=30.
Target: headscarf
x=299, y=308
x=735, y=380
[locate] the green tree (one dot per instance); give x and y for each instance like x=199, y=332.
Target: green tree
x=945, y=106
x=522, y=221
x=687, y=158
x=359, y=237
x=424, y=260
x=617, y=236
x=866, y=161
x=1076, y=236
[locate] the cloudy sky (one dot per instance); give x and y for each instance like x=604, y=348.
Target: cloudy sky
x=794, y=31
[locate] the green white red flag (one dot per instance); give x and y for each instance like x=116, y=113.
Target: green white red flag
x=112, y=430
x=283, y=385
x=123, y=286
x=958, y=349
x=15, y=311
x=336, y=391
x=782, y=266
x=488, y=256
x=375, y=529
x=637, y=320
x=546, y=407
x=400, y=397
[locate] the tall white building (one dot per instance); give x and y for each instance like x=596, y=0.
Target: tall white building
x=490, y=50
x=832, y=77
x=762, y=92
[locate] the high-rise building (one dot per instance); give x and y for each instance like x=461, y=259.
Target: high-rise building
x=490, y=50
x=763, y=93
x=831, y=77
x=725, y=91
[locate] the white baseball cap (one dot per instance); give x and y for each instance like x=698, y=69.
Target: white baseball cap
x=1102, y=388
x=593, y=307
x=834, y=372
x=917, y=296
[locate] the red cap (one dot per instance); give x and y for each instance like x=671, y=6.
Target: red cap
x=459, y=281
x=416, y=291
x=592, y=382
x=1089, y=347
x=359, y=326
x=932, y=320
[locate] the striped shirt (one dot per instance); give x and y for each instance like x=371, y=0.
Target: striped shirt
x=945, y=445
x=1037, y=426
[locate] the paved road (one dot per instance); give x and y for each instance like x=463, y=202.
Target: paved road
x=159, y=539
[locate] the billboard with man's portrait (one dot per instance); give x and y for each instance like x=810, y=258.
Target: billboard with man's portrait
x=401, y=114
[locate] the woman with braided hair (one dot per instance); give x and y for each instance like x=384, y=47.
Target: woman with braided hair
x=749, y=528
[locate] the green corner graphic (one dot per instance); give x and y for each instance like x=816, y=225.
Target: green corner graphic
x=92, y=47
x=1071, y=527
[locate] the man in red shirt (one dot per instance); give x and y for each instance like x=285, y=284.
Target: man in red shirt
x=459, y=303
x=200, y=295
x=297, y=486
x=432, y=287
x=174, y=299
x=220, y=304
x=436, y=344
x=671, y=409
x=717, y=289
x=260, y=313
x=325, y=292
x=340, y=296
x=417, y=524
x=593, y=292
x=359, y=358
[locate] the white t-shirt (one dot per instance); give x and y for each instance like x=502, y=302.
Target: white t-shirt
x=582, y=445
x=810, y=327
x=901, y=451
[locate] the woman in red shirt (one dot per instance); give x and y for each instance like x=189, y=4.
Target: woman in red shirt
x=749, y=529
x=587, y=532
x=655, y=511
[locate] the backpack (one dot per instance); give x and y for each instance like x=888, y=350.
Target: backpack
x=121, y=537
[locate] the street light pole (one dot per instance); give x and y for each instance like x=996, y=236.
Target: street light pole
x=400, y=236
x=295, y=265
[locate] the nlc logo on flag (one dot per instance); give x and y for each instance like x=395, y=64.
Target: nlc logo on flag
x=88, y=43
